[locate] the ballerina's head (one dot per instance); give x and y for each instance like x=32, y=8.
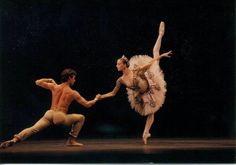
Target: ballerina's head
x=122, y=63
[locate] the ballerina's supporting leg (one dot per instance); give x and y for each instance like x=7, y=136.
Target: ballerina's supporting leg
x=157, y=46
x=149, y=122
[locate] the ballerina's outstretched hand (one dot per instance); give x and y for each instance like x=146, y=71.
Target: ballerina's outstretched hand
x=167, y=54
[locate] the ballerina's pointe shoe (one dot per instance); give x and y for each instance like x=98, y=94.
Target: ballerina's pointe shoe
x=162, y=28
x=145, y=137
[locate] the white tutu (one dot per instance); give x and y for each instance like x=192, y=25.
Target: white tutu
x=154, y=97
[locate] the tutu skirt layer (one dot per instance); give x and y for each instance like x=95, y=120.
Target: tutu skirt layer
x=153, y=98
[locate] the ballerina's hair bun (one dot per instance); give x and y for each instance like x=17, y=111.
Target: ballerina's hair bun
x=125, y=60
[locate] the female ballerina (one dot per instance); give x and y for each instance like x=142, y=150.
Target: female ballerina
x=144, y=81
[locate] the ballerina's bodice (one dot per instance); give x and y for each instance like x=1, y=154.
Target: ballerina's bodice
x=139, y=83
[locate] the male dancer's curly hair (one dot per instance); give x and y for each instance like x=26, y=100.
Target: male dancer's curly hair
x=66, y=73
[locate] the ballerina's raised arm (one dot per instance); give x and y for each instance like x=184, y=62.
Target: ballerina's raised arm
x=157, y=58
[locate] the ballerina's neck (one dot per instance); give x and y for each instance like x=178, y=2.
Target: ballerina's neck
x=126, y=72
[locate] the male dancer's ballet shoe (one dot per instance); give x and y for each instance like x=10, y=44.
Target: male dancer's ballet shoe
x=7, y=144
x=72, y=143
x=145, y=137
x=162, y=28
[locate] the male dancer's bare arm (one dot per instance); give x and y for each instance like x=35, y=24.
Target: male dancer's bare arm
x=83, y=101
x=47, y=83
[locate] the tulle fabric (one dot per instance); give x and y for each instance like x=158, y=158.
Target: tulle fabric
x=154, y=97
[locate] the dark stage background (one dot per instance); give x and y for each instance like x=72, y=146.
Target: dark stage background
x=41, y=38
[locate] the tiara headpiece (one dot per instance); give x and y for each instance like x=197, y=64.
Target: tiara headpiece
x=125, y=58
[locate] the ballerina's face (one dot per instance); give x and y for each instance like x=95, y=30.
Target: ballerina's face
x=120, y=65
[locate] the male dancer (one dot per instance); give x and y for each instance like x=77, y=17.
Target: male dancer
x=62, y=96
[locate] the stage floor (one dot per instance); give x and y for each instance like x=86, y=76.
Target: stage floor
x=123, y=151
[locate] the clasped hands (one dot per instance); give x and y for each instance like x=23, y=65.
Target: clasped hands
x=98, y=97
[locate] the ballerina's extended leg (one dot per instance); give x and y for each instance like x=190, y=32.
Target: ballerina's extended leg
x=157, y=46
